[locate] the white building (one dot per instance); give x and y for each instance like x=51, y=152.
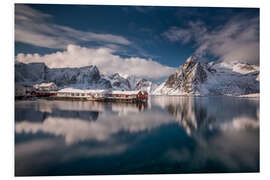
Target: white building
x=46, y=87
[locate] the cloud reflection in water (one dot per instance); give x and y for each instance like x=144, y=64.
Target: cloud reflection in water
x=221, y=129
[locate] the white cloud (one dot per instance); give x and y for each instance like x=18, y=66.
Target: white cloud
x=237, y=40
x=103, y=58
x=35, y=28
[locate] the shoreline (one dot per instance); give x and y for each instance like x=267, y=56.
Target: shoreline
x=250, y=96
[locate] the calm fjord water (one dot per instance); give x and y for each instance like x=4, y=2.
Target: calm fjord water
x=166, y=135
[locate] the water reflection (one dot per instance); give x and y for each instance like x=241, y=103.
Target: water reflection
x=69, y=121
x=202, y=114
x=224, y=129
x=185, y=135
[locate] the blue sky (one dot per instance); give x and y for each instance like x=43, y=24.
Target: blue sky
x=145, y=40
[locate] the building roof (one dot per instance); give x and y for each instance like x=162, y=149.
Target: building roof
x=72, y=90
x=125, y=92
x=101, y=91
x=44, y=85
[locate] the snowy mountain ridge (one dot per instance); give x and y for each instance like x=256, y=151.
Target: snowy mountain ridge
x=193, y=78
x=197, y=78
x=83, y=77
x=87, y=77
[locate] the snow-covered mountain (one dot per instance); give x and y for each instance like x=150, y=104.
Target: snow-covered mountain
x=193, y=78
x=118, y=82
x=131, y=82
x=84, y=77
x=142, y=84
x=87, y=77
x=146, y=85
x=215, y=78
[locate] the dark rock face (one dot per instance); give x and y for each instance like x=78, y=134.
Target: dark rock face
x=188, y=76
x=65, y=76
x=34, y=72
x=142, y=83
x=119, y=82
x=146, y=85
x=105, y=83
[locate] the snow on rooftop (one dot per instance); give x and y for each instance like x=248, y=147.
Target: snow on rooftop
x=45, y=84
x=82, y=90
x=124, y=92
x=98, y=91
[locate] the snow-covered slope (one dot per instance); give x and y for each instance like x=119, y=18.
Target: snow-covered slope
x=83, y=77
x=118, y=82
x=215, y=78
x=146, y=85
x=131, y=82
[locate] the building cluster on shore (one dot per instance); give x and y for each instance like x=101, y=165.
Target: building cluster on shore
x=49, y=90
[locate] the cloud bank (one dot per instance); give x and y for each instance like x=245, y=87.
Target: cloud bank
x=103, y=58
x=35, y=28
x=237, y=40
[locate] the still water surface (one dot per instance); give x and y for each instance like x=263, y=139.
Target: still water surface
x=166, y=135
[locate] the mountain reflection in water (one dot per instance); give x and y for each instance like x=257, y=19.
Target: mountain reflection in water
x=166, y=135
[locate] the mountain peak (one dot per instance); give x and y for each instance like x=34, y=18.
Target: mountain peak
x=190, y=62
x=192, y=58
x=196, y=77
